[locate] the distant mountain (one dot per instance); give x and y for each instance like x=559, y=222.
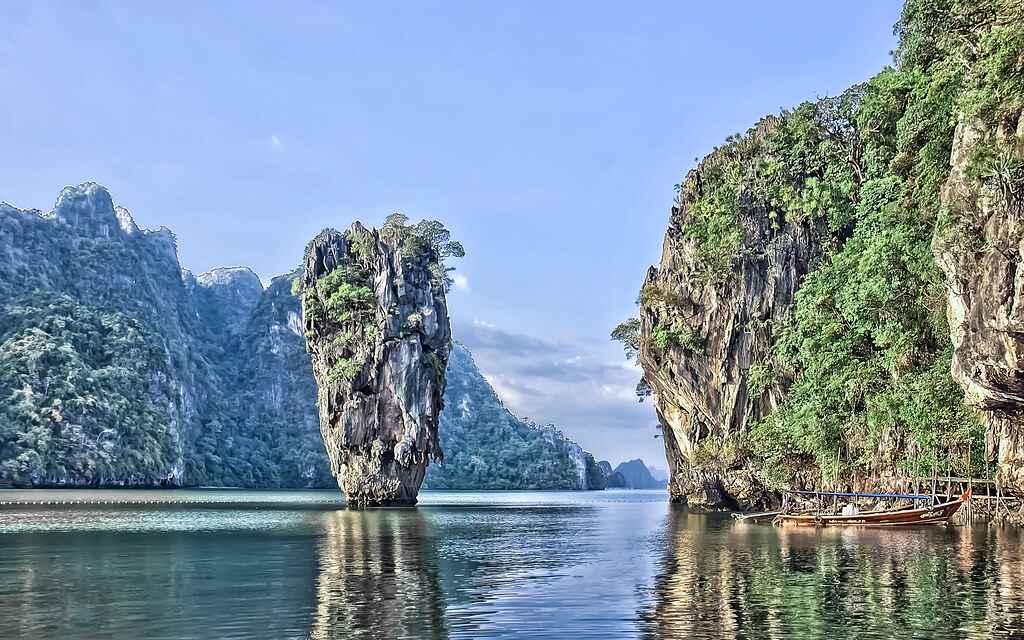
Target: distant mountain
x=635, y=475
x=120, y=368
x=487, y=447
x=613, y=479
x=658, y=473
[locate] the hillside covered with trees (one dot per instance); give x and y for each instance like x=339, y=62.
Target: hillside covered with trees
x=120, y=368
x=810, y=320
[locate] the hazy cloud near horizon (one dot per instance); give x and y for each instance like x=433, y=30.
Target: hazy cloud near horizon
x=570, y=384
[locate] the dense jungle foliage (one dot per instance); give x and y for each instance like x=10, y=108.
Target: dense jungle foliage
x=867, y=344
x=266, y=432
x=868, y=339
x=83, y=395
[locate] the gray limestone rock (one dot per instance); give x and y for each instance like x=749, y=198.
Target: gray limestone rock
x=701, y=388
x=377, y=330
x=981, y=255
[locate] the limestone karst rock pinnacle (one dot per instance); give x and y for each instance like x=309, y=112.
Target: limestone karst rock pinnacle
x=378, y=333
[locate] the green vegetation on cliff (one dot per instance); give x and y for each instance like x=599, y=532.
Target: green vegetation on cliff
x=868, y=339
x=863, y=357
x=265, y=432
x=121, y=368
x=487, y=447
x=83, y=396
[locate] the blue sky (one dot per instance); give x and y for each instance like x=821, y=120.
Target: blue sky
x=547, y=136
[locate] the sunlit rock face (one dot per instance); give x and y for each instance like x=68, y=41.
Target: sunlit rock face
x=378, y=333
x=701, y=389
x=981, y=255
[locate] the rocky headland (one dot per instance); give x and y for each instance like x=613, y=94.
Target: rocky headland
x=838, y=300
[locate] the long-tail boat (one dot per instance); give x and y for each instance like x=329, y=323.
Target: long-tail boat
x=934, y=514
x=761, y=517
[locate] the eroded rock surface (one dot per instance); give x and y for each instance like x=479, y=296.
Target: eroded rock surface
x=981, y=255
x=377, y=330
x=700, y=388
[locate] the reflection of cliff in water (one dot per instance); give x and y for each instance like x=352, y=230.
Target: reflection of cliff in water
x=378, y=579
x=1006, y=601
x=720, y=579
x=439, y=572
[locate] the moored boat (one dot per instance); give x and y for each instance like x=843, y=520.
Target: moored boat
x=934, y=514
x=757, y=518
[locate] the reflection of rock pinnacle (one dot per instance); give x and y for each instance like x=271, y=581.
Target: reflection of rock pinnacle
x=376, y=576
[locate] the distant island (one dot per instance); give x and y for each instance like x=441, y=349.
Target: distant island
x=633, y=474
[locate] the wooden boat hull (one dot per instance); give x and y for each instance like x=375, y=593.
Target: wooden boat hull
x=757, y=518
x=937, y=514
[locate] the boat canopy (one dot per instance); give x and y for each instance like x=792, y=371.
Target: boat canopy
x=842, y=494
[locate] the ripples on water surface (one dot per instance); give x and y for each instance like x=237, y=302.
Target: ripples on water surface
x=615, y=564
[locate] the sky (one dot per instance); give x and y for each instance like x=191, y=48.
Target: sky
x=546, y=135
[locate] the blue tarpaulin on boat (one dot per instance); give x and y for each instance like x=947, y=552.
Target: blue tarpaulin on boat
x=839, y=494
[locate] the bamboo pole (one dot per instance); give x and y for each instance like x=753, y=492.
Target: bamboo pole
x=917, y=475
x=949, y=470
x=970, y=485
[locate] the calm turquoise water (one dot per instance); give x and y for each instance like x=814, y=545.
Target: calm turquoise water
x=614, y=564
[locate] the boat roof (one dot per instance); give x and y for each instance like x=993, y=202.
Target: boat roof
x=850, y=494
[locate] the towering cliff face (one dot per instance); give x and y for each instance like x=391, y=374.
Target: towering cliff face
x=95, y=255
x=703, y=332
x=981, y=255
x=795, y=332
x=272, y=433
x=377, y=329
x=122, y=369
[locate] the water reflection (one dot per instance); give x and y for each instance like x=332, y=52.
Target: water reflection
x=451, y=571
x=1006, y=600
x=723, y=580
x=497, y=565
x=378, y=577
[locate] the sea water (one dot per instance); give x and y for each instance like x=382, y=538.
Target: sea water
x=604, y=564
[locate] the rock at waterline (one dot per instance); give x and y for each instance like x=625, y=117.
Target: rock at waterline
x=378, y=333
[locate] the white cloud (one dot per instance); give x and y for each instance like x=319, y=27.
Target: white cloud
x=275, y=141
x=573, y=384
x=461, y=282
x=505, y=387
